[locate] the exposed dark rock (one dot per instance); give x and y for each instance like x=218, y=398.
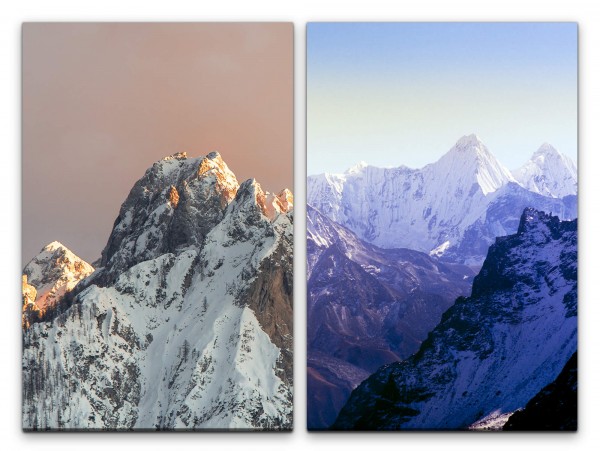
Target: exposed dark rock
x=554, y=408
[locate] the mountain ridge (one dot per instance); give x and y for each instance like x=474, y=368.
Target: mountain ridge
x=432, y=208
x=491, y=352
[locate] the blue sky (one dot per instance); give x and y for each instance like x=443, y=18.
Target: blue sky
x=404, y=93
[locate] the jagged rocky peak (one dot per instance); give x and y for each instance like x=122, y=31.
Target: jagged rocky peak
x=535, y=219
x=286, y=198
x=186, y=324
x=283, y=202
x=176, y=156
x=250, y=196
x=49, y=275
x=173, y=206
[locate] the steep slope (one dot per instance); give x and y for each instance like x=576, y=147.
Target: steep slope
x=187, y=325
x=554, y=408
x=549, y=173
x=491, y=352
x=47, y=277
x=367, y=306
x=430, y=209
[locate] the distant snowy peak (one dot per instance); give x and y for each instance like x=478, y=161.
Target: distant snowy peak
x=549, y=173
x=432, y=209
x=470, y=157
x=50, y=274
x=357, y=167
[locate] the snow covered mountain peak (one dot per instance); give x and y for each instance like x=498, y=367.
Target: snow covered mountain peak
x=470, y=158
x=250, y=197
x=468, y=141
x=186, y=324
x=48, y=276
x=357, y=167
x=467, y=191
x=546, y=149
x=549, y=173
x=174, y=205
x=213, y=165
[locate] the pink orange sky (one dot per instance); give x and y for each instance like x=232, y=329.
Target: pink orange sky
x=102, y=101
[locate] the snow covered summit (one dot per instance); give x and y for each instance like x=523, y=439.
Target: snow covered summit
x=52, y=273
x=470, y=157
x=549, y=173
x=186, y=324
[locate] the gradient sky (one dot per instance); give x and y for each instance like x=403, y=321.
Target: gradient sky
x=102, y=102
x=404, y=93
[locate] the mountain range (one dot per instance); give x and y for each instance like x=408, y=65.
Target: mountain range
x=393, y=252
x=452, y=209
x=186, y=323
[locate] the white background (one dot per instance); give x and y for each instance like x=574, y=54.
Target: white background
x=586, y=13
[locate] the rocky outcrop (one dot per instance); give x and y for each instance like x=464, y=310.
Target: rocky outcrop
x=31, y=312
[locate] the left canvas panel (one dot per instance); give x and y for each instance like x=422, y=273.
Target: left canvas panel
x=157, y=226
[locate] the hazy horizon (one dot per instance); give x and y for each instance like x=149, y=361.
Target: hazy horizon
x=103, y=101
x=436, y=157
x=396, y=94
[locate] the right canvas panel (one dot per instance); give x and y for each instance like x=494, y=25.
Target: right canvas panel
x=442, y=226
